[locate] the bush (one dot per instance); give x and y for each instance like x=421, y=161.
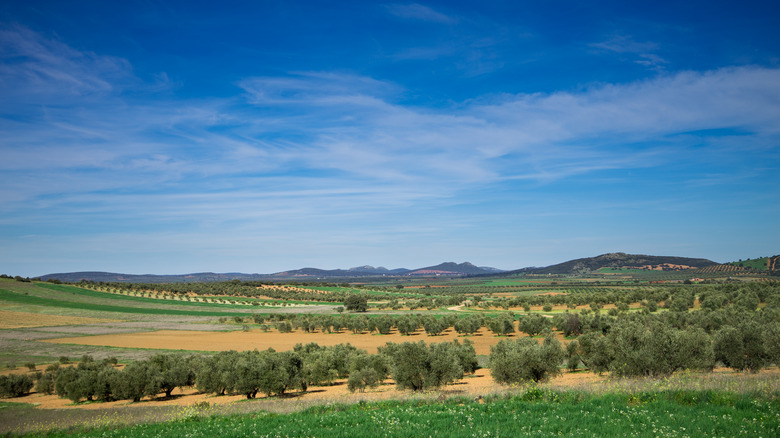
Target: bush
x=524, y=359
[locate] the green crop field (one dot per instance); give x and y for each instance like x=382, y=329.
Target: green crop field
x=71, y=297
x=9, y=296
x=759, y=264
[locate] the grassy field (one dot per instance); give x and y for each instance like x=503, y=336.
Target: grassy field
x=534, y=413
x=759, y=264
x=722, y=403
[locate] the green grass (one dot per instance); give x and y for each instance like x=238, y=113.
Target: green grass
x=113, y=296
x=341, y=289
x=621, y=270
x=13, y=297
x=157, y=301
x=534, y=413
x=759, y=264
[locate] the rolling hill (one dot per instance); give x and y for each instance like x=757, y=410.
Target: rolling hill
x=617, y=260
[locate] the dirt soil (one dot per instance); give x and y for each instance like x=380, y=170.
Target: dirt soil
x=14, y=320
x=257, y=339
x=480, y=383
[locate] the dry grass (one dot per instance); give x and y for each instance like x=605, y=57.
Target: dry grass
x=14, y=320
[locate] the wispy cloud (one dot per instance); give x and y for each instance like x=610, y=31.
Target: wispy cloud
x=415, y=11
x=44, y=67
x=644, y=53
x=316, y=153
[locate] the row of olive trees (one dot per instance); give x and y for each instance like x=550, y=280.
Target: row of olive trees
x=15, y=385
x=413, y=366
x=640, y=347
x=652, y=348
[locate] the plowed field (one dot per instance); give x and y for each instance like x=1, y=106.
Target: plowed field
x=257, y=339
x=14, y=320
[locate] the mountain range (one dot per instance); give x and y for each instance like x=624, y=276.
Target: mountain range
x=448, y=269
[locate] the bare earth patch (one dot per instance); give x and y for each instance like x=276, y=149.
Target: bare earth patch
x=479, y=384
x=256, y=339
x=13, y=320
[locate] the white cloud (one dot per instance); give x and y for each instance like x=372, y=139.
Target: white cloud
x=327, y=152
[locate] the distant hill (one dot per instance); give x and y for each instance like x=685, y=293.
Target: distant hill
x=769, y=265
x=617, y=260
x=363, y=273
x=75, y=277
x=452, y=269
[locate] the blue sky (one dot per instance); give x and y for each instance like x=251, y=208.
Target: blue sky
x=174, y=137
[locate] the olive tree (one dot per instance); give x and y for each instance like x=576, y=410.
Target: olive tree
x=356, y=303
x=742, y=347
x=524, y=359
x=15, y=385
x=416, y=366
